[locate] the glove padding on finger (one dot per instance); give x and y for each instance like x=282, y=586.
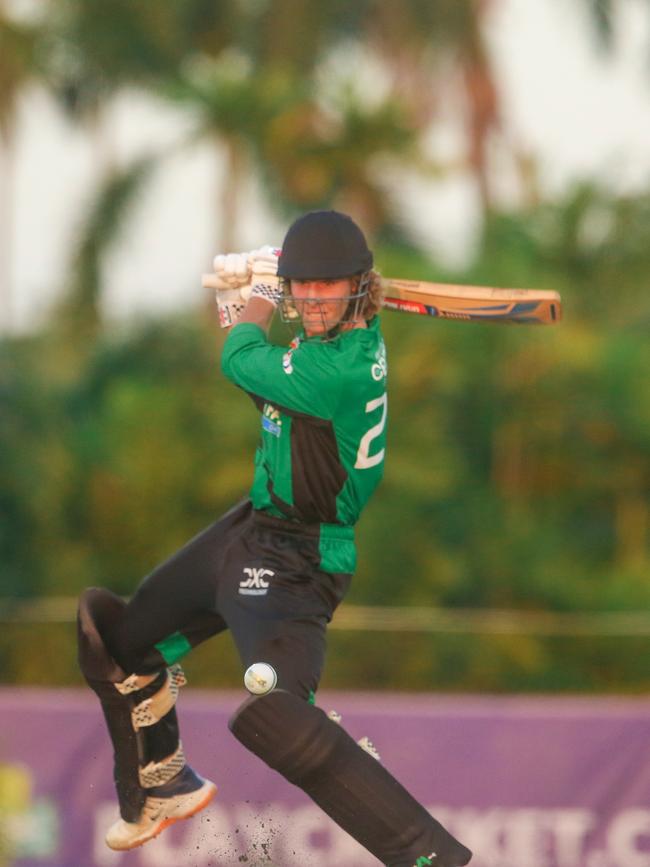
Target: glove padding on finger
x=232, y=268
x=264, y=262
x=214, y=281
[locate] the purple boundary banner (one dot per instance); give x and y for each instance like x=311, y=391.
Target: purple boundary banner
x=525, y=782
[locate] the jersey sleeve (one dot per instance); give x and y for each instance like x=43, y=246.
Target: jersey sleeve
x=304, y=379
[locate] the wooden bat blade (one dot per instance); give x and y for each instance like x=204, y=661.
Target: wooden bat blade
x=473, y=303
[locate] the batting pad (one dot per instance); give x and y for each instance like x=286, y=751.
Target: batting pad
x=141, y=756
x=356, y=791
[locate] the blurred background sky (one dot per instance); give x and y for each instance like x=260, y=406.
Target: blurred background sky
x=582, y=113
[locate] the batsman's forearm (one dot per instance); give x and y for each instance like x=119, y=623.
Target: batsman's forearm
x=258, y=311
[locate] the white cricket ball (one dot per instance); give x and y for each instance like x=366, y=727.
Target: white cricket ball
x=260, y=678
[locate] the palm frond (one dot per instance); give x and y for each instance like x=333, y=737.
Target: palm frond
x=102, y=229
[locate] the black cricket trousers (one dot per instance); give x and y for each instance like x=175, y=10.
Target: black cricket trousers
x=249, y=572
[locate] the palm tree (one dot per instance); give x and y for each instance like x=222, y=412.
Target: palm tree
x=95, y=52
x=232, y=110
x=319, y=158
x=432, y=50
x=256, y=102
x=253, y=96
x=250, y=79
x=78, y=317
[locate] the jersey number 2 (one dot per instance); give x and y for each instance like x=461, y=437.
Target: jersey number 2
x=364, y=458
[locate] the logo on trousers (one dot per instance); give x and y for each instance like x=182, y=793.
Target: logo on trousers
x=255, y=584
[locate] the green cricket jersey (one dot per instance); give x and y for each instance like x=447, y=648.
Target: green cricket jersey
x=323, y=407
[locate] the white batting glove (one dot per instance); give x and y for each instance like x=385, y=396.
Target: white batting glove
x=264, y=278
x=232, y=269
x=231, y=280
x=230, y=305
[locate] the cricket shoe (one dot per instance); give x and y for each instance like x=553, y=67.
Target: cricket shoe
x=180, y=798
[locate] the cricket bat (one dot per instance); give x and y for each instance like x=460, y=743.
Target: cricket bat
x=473, y=303
x=465, y=303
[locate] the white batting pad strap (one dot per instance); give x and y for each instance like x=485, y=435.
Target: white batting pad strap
x=157, y=773
x=153, y=709
x=134, y=682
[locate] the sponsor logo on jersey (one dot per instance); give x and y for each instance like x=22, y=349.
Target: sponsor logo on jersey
x=271, y=420
x=379, y=369
x=255, y=583
x=271, y=427
x=287, y=361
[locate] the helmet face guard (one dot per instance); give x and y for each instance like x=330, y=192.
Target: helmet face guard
x=289, y=307
x=325, y=245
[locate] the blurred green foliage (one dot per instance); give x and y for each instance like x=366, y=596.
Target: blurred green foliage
x=517, y=475
x=518, y=467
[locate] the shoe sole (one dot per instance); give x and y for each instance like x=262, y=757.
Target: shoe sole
x=212, y=791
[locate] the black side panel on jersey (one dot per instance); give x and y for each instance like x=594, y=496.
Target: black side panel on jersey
x=317, y=474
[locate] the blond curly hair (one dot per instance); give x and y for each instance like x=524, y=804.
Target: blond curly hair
x=372, y=302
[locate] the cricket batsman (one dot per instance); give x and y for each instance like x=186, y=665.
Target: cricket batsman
x=274, y=568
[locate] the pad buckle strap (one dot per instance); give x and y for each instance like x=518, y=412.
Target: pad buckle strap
x=135, y=682
x=158, y=773
x=151, y=710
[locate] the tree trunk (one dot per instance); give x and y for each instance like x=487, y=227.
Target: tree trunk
x=231, y=184
x=632, y=530
x=7, y=155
